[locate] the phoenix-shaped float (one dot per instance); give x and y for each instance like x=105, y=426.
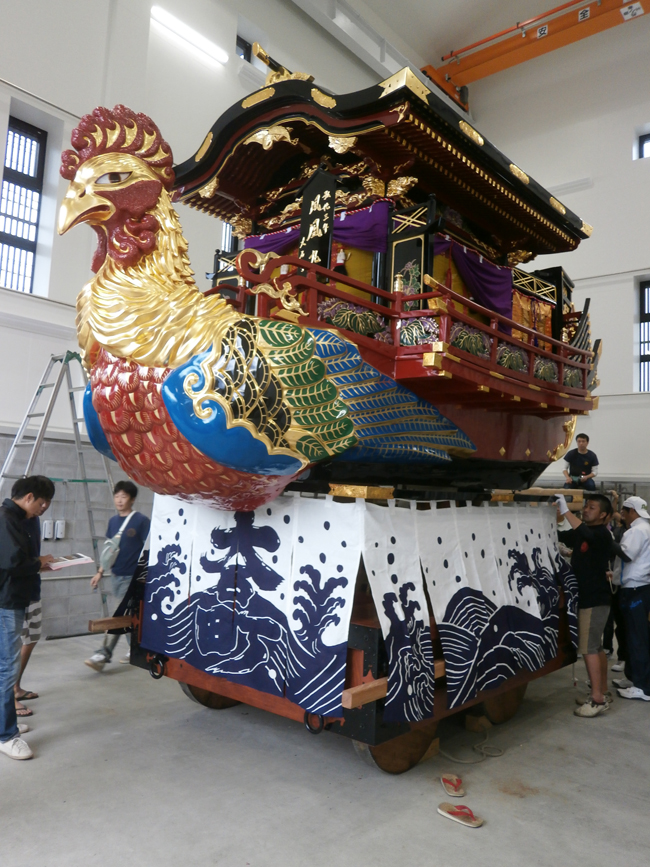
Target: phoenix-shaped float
x=190, y=396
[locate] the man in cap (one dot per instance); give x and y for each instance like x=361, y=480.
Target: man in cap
x=593, y=547
x=635, y=597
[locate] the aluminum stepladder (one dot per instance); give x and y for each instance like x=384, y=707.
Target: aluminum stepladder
x=50, y=385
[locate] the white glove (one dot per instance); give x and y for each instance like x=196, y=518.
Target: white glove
x=561, y=504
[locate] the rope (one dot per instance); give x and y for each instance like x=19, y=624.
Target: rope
x=485, y=752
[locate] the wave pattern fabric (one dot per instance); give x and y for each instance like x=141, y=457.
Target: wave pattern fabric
x=265, y=598
x=393, y=568
x=260, y=598
x=492, y=576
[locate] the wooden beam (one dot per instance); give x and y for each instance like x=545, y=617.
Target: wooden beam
x=357, y=696
x=107, y=623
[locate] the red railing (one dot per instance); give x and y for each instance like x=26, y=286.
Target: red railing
x=302, y=284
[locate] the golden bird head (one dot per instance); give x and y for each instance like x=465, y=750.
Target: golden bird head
x=117, y=173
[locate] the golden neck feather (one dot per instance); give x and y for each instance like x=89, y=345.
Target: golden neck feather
x=152, y=312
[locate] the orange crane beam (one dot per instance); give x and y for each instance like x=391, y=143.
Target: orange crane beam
x=528, y=39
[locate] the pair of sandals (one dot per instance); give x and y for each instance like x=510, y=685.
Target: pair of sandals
x=462, y=814
x=21, y=710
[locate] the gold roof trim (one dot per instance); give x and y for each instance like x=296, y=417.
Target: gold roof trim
x=518, y=173
x=405, y=78
x=322, y=98
x=587, y=229
x=209, y=189
x=557, y=205
x=267, y=136
x=470, y=132
x=258, y=96
x=202, y=151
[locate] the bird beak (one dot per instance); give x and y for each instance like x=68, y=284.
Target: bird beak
x=79, y=205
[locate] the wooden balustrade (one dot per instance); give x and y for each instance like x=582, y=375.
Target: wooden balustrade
x=452, y=308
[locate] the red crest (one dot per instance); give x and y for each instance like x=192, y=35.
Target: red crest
x=119, y=131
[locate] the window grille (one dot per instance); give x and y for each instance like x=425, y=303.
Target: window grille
x=644, y=146
x=20, y=203
x=244, y=49
x=228, y=241
x=644, y=336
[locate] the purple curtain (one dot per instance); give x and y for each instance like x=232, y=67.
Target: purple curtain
x=366, y=229
x=488, y=284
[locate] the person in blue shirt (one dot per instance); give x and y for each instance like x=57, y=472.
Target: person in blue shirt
x=132, y=540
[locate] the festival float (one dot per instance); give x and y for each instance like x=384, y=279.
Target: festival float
x=336, y=430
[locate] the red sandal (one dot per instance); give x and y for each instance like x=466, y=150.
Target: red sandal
x=452, y=785
x=461, y=814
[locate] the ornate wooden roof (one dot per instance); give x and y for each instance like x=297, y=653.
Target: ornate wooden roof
x=396, y=139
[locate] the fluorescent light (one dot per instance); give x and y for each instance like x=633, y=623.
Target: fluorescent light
x=187, y=36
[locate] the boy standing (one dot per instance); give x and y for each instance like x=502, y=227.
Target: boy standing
x=133, y=529
x=30, y=498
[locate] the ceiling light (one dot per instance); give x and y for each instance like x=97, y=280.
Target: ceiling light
x=187, y=36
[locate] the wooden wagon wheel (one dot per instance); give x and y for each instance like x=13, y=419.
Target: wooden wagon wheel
x=504, y=706
x=208, y=699
x=401, y=753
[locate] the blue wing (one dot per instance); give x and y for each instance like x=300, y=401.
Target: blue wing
x=390, y=422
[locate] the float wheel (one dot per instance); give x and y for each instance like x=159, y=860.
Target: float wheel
x=503, y=707
x=401, y=753
x=208, y=699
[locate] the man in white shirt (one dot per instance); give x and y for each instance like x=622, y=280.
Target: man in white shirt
x=635, y=596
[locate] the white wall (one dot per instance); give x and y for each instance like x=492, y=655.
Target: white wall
x=571, y=115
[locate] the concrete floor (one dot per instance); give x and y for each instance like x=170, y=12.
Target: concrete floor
x=129, y=768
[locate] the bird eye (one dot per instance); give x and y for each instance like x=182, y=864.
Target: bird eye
x=113, y=178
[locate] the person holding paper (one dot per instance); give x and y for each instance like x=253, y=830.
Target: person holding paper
x=30, y=498
x=130, y=529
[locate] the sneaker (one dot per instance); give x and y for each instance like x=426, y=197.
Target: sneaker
x=633, y=692
x=97, y=661
x=609, y=698
x=126, y=659
x=23, y=728
x=590, y=708
x=619, y=666
x=16, y=748
x=622, y=683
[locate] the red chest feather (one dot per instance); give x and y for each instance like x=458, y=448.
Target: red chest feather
x=127, y=398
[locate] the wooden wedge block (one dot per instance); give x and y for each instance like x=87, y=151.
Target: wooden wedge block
x=107, y=623
x=433, y=750
x=477, y=723
x=356, y=696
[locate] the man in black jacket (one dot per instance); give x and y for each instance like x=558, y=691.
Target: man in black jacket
x=593, y=547
x=30, y=498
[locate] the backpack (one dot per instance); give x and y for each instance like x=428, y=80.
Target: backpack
x=111, y=547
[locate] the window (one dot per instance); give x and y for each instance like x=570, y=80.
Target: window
x=644, y=336
x=644, y=146
x=228, y=241
x=244, y=49
x=20, y=204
